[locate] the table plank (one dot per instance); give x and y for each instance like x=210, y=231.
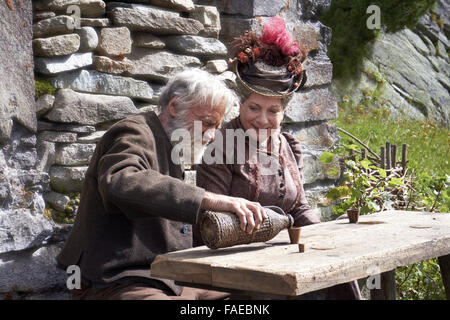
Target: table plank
x=336, y=252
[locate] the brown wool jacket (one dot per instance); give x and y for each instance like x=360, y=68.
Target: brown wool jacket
x=134, y=205
x=283, y=188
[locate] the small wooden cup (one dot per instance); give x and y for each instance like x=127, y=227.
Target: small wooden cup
x=294, y=234
x=301, y=247
x=353, y=215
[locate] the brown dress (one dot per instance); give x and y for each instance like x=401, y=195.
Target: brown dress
x=278, y=183
x=282, y=187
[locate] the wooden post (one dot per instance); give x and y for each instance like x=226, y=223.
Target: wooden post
x=382, y=156
x=388, y=155
x=404, y=156
x=363, y=153
x=394, y=156
x=444, y=264
x=388, y=284
x=388, y=289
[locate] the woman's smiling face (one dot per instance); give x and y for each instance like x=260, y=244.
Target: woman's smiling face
x=262, y=113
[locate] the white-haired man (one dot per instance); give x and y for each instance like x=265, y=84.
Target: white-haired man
x=134, y=204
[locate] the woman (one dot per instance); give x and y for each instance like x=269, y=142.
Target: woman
x=269, y=71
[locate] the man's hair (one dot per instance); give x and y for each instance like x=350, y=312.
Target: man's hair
x=195, y=87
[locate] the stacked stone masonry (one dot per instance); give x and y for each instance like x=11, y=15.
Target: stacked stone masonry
x=116, y=65
x=111, y=62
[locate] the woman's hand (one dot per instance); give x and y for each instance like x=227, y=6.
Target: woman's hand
x=250, y=214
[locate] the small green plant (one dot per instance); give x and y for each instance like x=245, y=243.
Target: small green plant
x=328, y=159
x=432, y=193
x=43, y=87
x=367, y=187
x=370, y=188
x=68, y=215
x=420, y=281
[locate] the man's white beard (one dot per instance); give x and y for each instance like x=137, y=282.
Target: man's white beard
x=197, y=149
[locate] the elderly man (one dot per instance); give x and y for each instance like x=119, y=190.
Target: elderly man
x=134, y=204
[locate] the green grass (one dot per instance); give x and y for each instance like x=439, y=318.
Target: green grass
x=428, y=152
x=428, y=143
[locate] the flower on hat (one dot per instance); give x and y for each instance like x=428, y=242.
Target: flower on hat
x=243, y=57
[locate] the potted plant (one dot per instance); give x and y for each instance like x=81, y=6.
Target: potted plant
x=354, y=194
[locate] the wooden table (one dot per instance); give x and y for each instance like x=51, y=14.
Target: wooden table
x=336, y=252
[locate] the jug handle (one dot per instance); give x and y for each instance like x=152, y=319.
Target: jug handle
x=276, y=209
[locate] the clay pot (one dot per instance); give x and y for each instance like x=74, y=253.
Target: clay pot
x=294, y=234
x=353, y=215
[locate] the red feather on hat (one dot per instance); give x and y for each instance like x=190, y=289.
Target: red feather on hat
x=274, y=33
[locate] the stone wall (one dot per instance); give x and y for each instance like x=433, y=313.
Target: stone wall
x=111, y=63
x=408, y=71
x=112, y=66
x=25, y=233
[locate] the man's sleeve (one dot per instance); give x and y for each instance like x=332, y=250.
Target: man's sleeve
x=128, y=182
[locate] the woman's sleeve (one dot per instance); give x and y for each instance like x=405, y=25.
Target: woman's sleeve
x=302, y=211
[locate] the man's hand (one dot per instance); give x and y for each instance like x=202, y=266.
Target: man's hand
x=250, y=214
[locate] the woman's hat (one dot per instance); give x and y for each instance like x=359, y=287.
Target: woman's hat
x=270, y=64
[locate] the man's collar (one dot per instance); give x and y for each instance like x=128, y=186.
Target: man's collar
x=160, y=131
